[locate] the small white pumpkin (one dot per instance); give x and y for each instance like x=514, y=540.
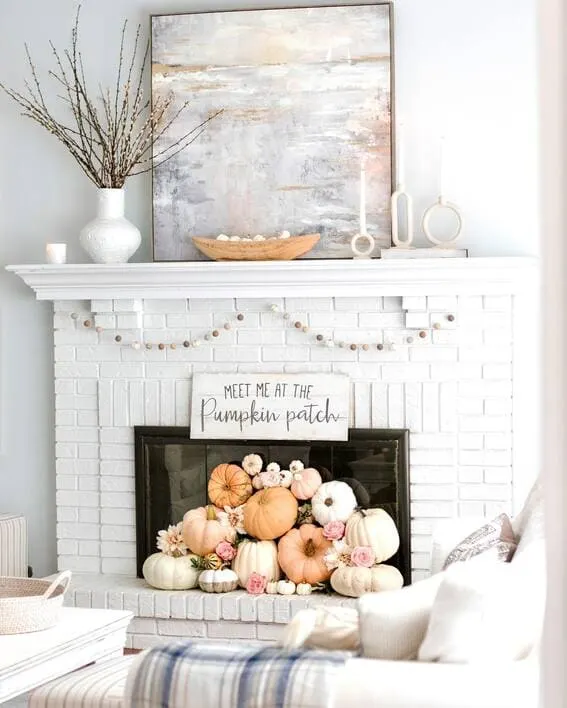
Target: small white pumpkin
x=354, y=582
x=286, y=587
x=303, y=589
x=256, y=557
x=165, y=572
x=272, y=587
x=374, y=528
x=333, y=501
x=286, y=478
x=218, y=580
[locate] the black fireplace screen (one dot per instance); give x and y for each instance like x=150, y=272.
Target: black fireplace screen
x=172, y=473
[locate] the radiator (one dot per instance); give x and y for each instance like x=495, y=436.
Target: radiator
x=13, y=545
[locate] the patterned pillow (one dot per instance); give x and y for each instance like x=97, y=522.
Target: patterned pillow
x=495, y=539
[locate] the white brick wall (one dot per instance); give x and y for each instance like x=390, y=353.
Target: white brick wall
x=454, y=390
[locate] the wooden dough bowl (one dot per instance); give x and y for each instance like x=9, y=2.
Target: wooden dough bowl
x=281, y=249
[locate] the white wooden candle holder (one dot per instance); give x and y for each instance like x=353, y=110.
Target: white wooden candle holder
x=440, y=205
x=362, y=252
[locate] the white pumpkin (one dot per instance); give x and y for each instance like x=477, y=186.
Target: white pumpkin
x=333, y=501
x=286, y=587
x=286, y=478
x=272, y=588
x=354, y=582
x=303, y=589
x=256, y=557
x=168, y=573
x=218, y=580
x=374, y=528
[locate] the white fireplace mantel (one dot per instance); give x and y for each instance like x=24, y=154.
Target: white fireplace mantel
x=302, y=278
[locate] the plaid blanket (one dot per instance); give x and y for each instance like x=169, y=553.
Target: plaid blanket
x=211, y=675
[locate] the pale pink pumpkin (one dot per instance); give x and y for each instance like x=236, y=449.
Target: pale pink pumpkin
x=305, y=483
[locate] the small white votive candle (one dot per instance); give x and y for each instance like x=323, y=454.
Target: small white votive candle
x=56, y=252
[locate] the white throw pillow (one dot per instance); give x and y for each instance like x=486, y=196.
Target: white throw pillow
x=477, y=616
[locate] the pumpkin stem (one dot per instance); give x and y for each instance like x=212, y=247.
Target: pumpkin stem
x=309, y=548
x=211, y=513
x=328, y=501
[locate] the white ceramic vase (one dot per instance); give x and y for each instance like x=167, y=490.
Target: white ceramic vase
x=110, y=238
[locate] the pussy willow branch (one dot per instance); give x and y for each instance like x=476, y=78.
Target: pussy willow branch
x=115, y=134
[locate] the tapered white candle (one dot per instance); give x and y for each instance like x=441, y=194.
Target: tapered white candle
x=442, y=168
x=401, y=156
x=362, y=198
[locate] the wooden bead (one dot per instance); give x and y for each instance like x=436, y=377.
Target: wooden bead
x=173, y=346
x=451, y=318
x=319, y=337
x=161, y=345
x=298, y=325
x=240, y=316
x=305, y=328
x=353, y=347
x=148, y=346
x=409, y=340
x=118, y=338
x=74, y=316
x=286, y=316
x=436, y=325
x=186, y=344
x=423, y=334
x=215, y=333
x=207, y=337
x=227, y=325
x=365, y=347
x=87, y=323
x=380, y=347
x=98, y=329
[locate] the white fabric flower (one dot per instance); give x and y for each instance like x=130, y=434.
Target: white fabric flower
x=338, y=556
x=252, y=464
x=232, y=518
x=170, y=541
x=273, y=467
x=296, y=466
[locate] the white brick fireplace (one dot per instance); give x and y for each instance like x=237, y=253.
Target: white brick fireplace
x=466, y=391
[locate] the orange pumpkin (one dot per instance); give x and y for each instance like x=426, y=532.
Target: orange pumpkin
x=229, y=485
x=270, y=513
x=301, y=555
x=305, y=483
x=202, y=532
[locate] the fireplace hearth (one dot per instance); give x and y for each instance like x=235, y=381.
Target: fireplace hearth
x=172, y=472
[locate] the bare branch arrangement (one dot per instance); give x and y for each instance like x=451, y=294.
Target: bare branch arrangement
x=113, y=136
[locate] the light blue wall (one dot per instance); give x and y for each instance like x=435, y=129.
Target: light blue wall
x=466, y=68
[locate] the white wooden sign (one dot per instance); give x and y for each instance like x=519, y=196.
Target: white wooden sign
x=270, y=406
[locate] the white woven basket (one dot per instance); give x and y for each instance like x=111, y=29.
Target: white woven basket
x=29, y=604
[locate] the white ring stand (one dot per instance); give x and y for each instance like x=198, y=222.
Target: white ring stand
x=439, y=205
x=358, y=253
x=397, y=196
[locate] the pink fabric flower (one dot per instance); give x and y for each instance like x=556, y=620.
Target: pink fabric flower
x=256, y=584
x=334, y=530
x=363, y=557
x=226, y=551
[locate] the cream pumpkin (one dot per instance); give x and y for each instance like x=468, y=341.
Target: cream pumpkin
x=270, y=513
x=168, y=573
x=333, y=501
x=256, y=557
x=202, y=532
x=354, y=582
x=286, y=587
x=218, y=580
x=229, y=485
x=301, y=554
x=305, y=483
x=374, y=528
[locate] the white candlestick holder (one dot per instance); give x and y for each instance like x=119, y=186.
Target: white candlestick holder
x=442, y=205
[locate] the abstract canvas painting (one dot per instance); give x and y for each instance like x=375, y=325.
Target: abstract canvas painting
x=306, y=98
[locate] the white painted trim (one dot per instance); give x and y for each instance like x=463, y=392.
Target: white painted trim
x=303, y=278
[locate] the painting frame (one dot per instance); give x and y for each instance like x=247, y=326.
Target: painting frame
x=388, y=5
